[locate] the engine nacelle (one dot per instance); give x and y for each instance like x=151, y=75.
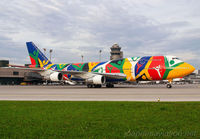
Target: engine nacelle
x=97, y=79
x=56, y=76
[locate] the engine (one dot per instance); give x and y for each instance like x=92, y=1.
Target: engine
x=56, y=76
x=97, y=79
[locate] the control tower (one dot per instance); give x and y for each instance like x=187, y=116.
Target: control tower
x=116, y=52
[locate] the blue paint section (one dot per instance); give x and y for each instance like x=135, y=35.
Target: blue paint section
x=69, y=75
x=141, y=64
x=77, y=79
x=98, y=65
x=32, y=49
x=70, y=67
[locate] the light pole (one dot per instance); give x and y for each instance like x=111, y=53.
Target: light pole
x=100, y=55
x=50, y=51
x=44, y=51
x=82, y=58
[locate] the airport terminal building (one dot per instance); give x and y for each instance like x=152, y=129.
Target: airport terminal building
x=11, y=76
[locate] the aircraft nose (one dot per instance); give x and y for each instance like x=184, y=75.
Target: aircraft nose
x=181, y=71
x=190, y=68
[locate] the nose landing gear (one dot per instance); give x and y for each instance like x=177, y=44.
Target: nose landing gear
x=169, y=85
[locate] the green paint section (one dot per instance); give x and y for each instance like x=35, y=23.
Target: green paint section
x=35, y=57
x=61, y=66
x=135, y=58
x=110, y=69
x=80, y=67
x=51, y=66
x=168, y=68
x=119, y=65
x=171, y=62
x=100, y=70
x=177, y=65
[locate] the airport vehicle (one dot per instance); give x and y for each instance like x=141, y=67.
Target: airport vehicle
x=96, y=74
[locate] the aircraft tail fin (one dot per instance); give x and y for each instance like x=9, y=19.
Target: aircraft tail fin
x=38, y=59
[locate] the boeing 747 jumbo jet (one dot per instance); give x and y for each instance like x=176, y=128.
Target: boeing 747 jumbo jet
x=96, y=74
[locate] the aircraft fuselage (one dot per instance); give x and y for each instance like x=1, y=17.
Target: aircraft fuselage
x=135, y=68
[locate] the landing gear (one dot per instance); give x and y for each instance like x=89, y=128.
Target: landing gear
x=169, y=86
x=90, y=85
x=109, y=85
x=97, y=86
x=94, y=85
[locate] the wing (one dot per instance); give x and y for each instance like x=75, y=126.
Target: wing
x=86, y=75
x=79, y=74
x=28, y=69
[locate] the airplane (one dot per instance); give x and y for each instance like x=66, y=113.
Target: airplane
x=96, y=74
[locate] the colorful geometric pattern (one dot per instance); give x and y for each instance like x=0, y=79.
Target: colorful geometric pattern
x=135, y=68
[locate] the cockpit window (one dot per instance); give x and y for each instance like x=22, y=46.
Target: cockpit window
x=175, y=58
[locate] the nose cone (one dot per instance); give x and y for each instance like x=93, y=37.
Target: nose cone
x=191, y=68
x=181, y=71
x=188, y=69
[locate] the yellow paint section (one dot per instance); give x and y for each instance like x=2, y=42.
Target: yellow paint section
x=180, y=71
x=145, y=70
x=42, y=63
x=48, y=67
x=91, y=65
x=127, y=70
x=61, y=66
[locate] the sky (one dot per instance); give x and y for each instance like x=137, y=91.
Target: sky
x=83, y=27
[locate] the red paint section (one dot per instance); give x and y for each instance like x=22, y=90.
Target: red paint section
x=138, y=67
x=157, y=68
x=32, y=66
x=33, y=62
x=78, y=64
x=111, y=69
x=65, y=77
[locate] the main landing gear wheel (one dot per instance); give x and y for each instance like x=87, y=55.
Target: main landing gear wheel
x=94, y=85
x=97, y=85
x=110, y=85
x=89, y=85
x=169, y=86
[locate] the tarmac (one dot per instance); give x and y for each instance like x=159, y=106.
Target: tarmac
x=119, y=93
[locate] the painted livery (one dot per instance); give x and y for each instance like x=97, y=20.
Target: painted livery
x=145, y=68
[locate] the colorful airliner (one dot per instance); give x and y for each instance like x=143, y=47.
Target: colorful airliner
x=96, y=74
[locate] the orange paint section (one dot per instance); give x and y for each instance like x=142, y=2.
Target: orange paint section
x=181, y=71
